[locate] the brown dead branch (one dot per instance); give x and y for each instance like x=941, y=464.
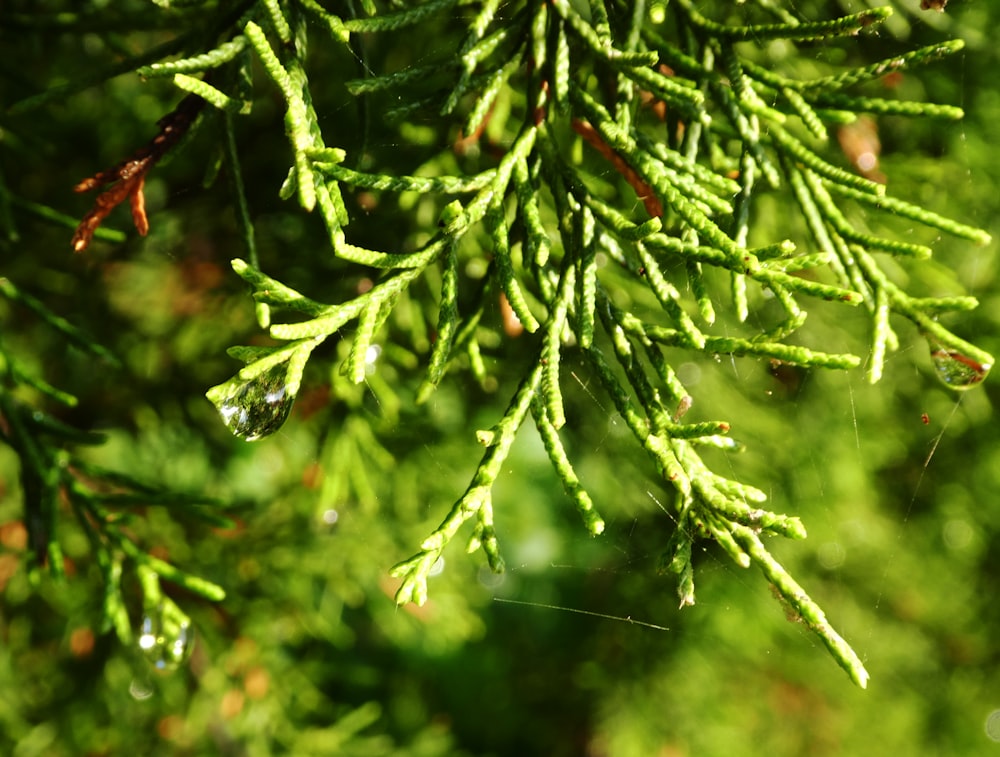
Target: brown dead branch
x=128, y=177
x=642, y=189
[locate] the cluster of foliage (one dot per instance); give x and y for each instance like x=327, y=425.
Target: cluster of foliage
x=584, y=193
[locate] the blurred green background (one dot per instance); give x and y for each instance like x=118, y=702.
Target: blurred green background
x=896, y=483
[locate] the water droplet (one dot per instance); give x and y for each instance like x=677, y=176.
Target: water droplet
x=140, y=689
x=993, y=725
x=489, y=579
x=166, y=637
x=372, y=355
x=957, y=371
x=437, y=568
x=258, y=407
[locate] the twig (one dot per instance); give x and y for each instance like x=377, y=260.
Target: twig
x=128, y=177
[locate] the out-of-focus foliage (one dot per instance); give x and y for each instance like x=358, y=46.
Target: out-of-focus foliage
x=308, y=654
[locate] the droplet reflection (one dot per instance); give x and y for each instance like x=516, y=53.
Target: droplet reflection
x=957, y=371
x=258, y=407
x=165, y=638
x=140, y=689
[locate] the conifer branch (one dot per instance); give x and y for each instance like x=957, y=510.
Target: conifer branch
x=628, y=154
x=60, y=487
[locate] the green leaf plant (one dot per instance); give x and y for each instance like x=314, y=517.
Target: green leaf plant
x=619, y=153
x=61, y=490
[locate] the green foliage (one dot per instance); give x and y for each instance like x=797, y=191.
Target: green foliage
x=103, y=503
x=564, y=204
x=715, y=103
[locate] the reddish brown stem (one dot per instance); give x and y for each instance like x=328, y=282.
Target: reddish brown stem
x=128, y=178
x=642, y=189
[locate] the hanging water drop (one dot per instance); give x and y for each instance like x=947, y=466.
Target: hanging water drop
x=140, y=689
x=166, y=637
x=257, y=407
x=957, y=371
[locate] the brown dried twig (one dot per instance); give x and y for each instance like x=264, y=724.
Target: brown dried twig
x=128, y=177
x=642, y=189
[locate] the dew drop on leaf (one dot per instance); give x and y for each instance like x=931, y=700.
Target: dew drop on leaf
x=165, y=638
x=259, y=406
x=957, y=371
